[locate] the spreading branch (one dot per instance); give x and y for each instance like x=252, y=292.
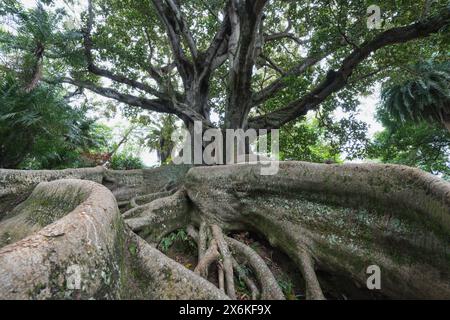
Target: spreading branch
x=286, y=34
x=281, y=82
x=217, y=53
x=88, y=47
x=183, y=28
x=169, y=20
x=336, y=80
x=156, y=105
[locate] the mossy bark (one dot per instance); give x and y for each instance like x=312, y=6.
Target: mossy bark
x=338, y=219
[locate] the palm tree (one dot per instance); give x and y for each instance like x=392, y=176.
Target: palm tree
x=36, y=33
x=424, y=96
x=159, y=138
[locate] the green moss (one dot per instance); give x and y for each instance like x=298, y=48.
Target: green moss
x=167, y=273
x=36, y=290
x=45, y=209
x=358, y=230
x=5, y=239
x=133, y=249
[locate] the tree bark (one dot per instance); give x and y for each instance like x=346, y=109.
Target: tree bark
x=338, y=219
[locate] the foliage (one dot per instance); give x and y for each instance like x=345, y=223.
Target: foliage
x=242, y=290
x=125, y=161
x=32, y=36
x=413, y=108
x=424, y=95
x=39, y=129
x=131, y=44
x=423, y=145
x=141, y=44
x=156, y=135
x=304, y=141
x=171, y=238
x=287, y=287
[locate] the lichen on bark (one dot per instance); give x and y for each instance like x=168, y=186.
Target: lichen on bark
x=334, y=219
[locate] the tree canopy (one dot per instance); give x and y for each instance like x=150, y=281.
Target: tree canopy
x=237, y=63
x=425, y=95
x=39, y=129
x=257, y=63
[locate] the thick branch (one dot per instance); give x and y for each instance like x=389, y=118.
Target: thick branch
x=122, y=79
x=336, y=80
x=183, y=65
x=88, y=45
x=285, y=34
x=245, y=45
x=282, y=82
x=184, y=29
x=148, y=104
x=216, y=54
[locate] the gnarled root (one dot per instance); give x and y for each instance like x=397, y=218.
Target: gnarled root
x=269, y=285
x=270, y=290
x=202, y=240
x=227, y=263
x=313, y=290
x=211, y=255
x=248, y=282
x=293, y=241
x=142, y=200
x=160, y=217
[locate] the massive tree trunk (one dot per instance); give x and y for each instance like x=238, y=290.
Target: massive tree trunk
x=327, y=219
x=238, y=42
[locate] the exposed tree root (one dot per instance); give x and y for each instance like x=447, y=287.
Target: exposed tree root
x=190, y=230
x=226, y=257
x=248, y=282
x=160, y=217
x=176, y=282
x=301, y=211
x=268, y=283
x=202, y=240
x=269, y=286
x=141, y=200
x=313, y=290
x=221, y=276
x=211, y=255
x=293, y=241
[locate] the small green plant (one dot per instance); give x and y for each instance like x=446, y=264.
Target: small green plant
x=242, y=289
x=132, y=248
x=241, y=286
x=287, y=287
x=123, y=161
x=179, y=235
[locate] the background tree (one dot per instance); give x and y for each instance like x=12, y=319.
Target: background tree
x=40, y=130
x=305, y=141
x=160, y=137
x=424, y=95
x=414, y=112
x=418, y=144
x=45, y=126
x=125, y=161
